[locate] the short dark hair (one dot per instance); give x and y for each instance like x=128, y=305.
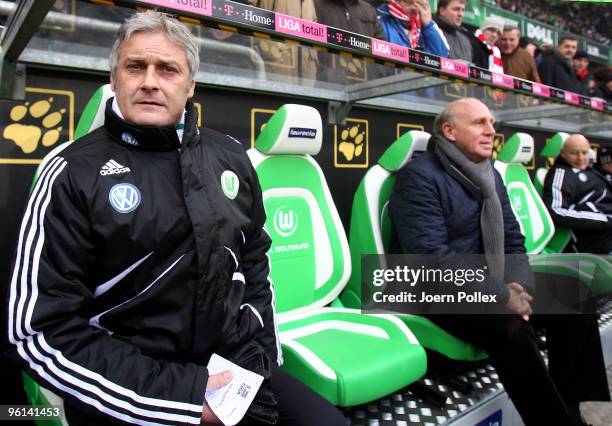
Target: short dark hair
x=526, y=41
x=445, y=3
x=567, y=37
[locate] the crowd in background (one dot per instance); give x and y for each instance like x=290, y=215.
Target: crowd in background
x=587, y=19
x=496, y=45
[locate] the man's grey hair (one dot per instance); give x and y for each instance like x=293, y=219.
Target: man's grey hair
x=157, y=22
x=512, y=26
x=448, y=115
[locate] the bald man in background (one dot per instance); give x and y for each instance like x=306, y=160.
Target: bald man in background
x=580, y=198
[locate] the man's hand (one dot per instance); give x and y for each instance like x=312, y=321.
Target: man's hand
x=424, y=11
x=216, y=381
x=519, y=300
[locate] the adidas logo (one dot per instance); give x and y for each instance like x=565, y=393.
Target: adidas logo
x=113, y=168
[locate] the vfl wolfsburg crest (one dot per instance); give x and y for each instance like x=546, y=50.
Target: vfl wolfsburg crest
x=518, y=202
x=230, y=184
x=285, y=221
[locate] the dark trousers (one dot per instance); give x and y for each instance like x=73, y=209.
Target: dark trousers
x=597, y=242
x=542, y=396
x=298, y=405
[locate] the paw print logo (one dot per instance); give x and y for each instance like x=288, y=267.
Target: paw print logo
x=498, y=144
x=32, y=128
x=498, y=96
x=455, y=90
x=354, y=68
x=593, y=117
x=351, y=144
x=524, y=101
x=277, y=54
x=28, y=136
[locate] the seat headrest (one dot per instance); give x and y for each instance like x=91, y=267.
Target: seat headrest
x=293, y=129
x=554, y=144
x=409, y=145
x=517, y=149
x=93, y=113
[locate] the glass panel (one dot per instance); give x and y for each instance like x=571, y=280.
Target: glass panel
x=79, y=35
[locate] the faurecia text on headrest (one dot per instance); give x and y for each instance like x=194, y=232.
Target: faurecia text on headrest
x=301, y=132
x=526, y=149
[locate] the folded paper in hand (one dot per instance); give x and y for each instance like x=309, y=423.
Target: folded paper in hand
x=231, y=402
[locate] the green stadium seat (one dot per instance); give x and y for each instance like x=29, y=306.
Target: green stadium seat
x=533, y=217
x=551, y=149
x=370, y=233
x=348, y=357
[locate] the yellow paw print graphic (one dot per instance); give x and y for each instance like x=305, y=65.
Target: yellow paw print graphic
x=272, y=49
x=27, y=136
x=275, y=52
x=497, y=95
x=455, y=90
x=524, y=101
x=352, y=142
x=354, y=65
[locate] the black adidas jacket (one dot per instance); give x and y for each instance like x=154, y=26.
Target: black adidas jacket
x=134, y=266
x=582, y=201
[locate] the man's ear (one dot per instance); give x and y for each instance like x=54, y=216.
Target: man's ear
x=191, y=88
x=447, y=130
x=112, y=81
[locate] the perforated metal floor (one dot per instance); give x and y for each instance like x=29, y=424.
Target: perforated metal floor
x=407, y=407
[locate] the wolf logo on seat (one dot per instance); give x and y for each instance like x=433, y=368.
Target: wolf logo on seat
x=285, y=221
x=518, y=202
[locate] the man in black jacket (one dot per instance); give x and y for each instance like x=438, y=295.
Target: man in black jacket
x=604, y=162
x=581, y=68
x=451, y=203
x=142, y=252
x=580, y=198
x=557, y=69
x=450, y=20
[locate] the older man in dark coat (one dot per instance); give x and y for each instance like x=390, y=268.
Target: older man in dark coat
x=451, y=203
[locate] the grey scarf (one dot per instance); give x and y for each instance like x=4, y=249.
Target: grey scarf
x=482, y=176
